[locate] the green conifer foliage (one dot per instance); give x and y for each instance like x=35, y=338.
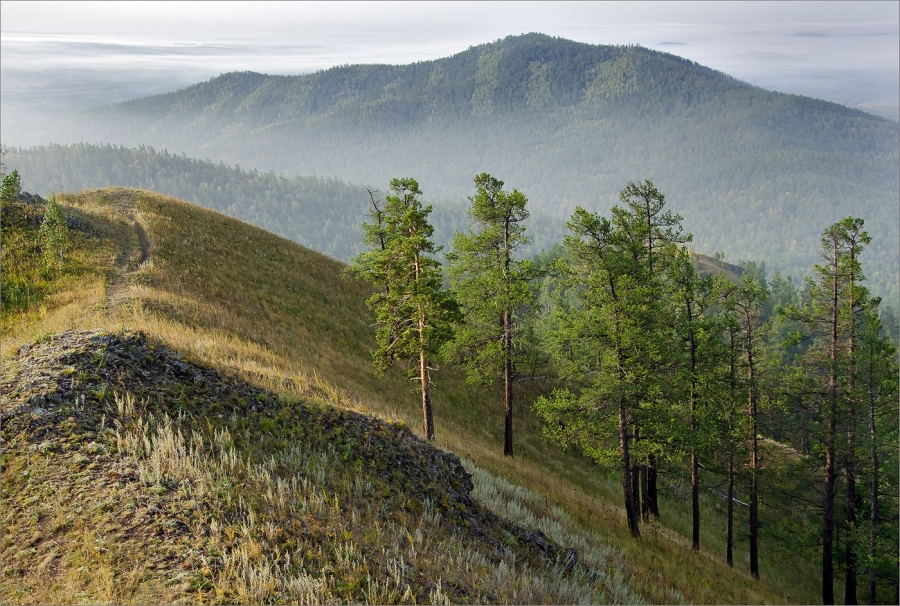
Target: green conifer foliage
x=413, y=312
x=53, y=235
x=494, y=291
x=832, y=318
x=696, y=357
x=12, y=186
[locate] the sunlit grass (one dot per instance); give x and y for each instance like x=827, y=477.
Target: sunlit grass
x=290, y=320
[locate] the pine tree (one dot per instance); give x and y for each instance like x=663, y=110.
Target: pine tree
x=650, y=235
x=413, y=312
x=493, y=289
x=699, y=348
x=870, y=406
x=831, y=319
x=12, y=186
x=747, y=301
x=878, y=383
x=858, y=299
x=613, y=339
x=731, y=422
x=594, y=343
x=53, y=235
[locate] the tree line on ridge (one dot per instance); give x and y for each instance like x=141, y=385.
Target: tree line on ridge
x=660, y=366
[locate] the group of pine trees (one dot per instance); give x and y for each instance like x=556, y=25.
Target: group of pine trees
x=662, y=366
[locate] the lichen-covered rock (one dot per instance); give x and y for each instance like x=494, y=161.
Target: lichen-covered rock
x=69, y=381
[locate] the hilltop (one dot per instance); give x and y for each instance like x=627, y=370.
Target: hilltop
x=128, y=461
x=566, y=123
x=189, y=365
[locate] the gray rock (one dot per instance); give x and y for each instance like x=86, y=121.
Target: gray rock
x=32, y=199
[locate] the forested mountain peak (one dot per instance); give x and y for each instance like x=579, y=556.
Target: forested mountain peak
x=532, y=72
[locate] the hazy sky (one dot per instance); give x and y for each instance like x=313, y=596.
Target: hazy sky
x=847, y=52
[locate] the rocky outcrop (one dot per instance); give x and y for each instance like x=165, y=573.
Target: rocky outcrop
x=71, y=378
x=32, y=199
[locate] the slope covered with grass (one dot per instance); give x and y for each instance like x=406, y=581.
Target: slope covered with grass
x=256, y=338
x=134, y=475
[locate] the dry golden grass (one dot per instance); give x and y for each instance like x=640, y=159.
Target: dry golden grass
x=285, y=318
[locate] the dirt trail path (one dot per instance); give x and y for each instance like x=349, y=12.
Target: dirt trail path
x=132, y=261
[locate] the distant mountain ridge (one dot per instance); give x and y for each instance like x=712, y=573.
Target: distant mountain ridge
x=482, y=80
x=565, y=122
x=530, y=73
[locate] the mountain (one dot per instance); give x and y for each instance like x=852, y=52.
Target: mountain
x=190, y=414
x=567, y=123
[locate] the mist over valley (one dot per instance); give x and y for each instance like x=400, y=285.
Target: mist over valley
x=566, y=123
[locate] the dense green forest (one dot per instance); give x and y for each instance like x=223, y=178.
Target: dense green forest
x=567, y=123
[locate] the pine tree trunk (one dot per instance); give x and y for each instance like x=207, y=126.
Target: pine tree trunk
x=636, y=474
x=850, y=548
x=423, y=370
x=507, y=435
x=508, y=383
x=732, y=375
x=828, y=515
x=507, y=349
x=652, y=497
x=630, y=506
x=645, y=496
x=754, y=514
x=729, y=541
x=695, y=468
x=426, y=397
x=695, y=502
x=873, y=494
x=850, y=472
x=695, y=471
x=754, y=467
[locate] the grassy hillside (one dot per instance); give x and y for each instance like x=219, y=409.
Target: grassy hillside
x=247, y=341
x=243, y=496
x=757, y=174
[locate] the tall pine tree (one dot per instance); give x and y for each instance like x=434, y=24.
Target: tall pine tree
x=414, y=313
x=613, y=339
x=831, y=318
x=877, y=369
x=650, y=234
x=747, y=301
x=696, y=361
x=493, y=288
